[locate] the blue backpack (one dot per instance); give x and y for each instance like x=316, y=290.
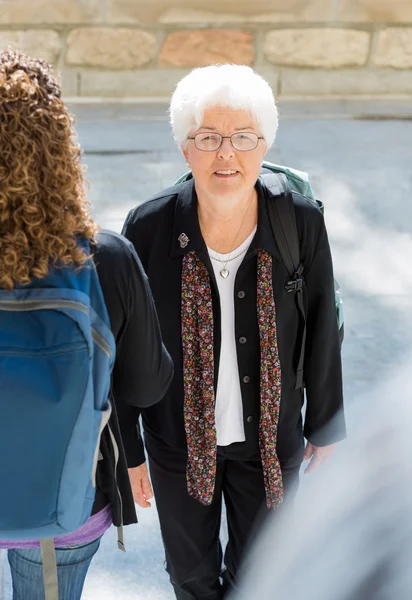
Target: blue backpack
x=56, y=356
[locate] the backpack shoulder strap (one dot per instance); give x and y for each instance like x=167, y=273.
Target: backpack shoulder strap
x=48, y=554
x=283, y=222
x=283, y=219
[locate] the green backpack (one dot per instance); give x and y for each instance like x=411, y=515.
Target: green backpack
x=280, y=182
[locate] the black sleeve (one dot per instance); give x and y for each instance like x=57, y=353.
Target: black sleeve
x=324, y=421
x=143, y=369
x=128, y=417
x=130, y=230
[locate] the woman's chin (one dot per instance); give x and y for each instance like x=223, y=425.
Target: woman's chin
x=227, y=184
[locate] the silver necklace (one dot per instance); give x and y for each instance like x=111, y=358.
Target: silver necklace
x=224, y=275
x=224, y=271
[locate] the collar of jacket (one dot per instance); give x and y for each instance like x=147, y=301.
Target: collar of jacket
x=186, y=222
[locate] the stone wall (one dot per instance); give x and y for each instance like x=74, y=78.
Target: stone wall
x=141, y=48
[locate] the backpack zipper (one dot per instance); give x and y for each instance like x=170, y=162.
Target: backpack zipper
x=27, y=305
x=101, y=342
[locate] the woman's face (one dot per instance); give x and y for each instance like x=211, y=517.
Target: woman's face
x=225, y=171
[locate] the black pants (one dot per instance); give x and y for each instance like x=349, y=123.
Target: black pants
x=190, y=530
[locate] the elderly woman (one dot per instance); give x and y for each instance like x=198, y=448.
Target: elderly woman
x=230, y=425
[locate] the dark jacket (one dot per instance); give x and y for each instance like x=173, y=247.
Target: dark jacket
x=154, y=228
x=142, y=369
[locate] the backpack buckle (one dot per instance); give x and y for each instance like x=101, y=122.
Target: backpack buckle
x=295, y=285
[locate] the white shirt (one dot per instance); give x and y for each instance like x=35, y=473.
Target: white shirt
x=228, y=408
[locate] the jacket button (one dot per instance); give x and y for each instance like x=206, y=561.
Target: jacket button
x=241, y=294
x=249, y=419
x=246, y=379
x=242, y=340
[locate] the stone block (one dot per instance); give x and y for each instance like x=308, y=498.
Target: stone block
x=38, y=43
x=144, y=83
x=271, y=75
x=49, y=11
x=345, y=82
x=218, y=11
x=394, y=48
x=375, y=11
x=323, y=48
x=107, y=48
x=204, y=47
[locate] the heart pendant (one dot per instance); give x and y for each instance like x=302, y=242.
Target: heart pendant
x=224, y=273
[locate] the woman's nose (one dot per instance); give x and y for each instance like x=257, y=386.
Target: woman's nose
x=226, y=149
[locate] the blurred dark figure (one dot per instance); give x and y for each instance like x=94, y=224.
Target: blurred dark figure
x=350, y=534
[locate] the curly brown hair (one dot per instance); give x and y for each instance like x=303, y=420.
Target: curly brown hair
x=42, y=198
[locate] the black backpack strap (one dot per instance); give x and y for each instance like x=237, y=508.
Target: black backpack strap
x=282, y=218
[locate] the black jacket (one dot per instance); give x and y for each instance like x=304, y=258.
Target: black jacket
x=154, y=228
x=142, y=369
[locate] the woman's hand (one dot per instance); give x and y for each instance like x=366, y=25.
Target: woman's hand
x=317, y=455
x=141, y=486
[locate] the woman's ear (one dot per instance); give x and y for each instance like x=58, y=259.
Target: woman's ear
x=185, y=153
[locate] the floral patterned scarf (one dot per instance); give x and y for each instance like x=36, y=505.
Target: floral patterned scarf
x=198, y=375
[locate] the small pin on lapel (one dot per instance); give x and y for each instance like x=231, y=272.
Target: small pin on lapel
x=183, y=240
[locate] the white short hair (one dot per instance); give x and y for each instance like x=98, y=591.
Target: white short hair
x=234, y=86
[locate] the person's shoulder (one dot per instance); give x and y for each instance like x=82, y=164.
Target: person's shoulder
x=112, y=250
x=309, y=220
x=306, y=208
x=117, y=264
x=160, y=203
x=113, y=243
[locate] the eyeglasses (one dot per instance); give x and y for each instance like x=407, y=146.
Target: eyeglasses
x=210, y=142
